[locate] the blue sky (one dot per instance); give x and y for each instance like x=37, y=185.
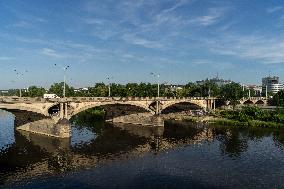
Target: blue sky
x=182, y=40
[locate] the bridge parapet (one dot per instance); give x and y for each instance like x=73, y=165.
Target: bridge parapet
x=98, y=99
x=22, y=100
x=255, y=98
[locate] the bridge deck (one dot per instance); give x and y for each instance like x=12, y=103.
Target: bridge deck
x=105, y=99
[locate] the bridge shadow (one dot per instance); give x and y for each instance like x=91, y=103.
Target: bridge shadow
x=23, y=117
x=111, y=111
x=181, y=107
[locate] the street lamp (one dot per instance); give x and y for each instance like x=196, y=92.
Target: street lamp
x=18, y=75
x=209, y=92
x=266, y=92
x=64, y=79
x=158, y=82
x=109, y=82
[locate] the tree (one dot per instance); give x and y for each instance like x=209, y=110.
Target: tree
x=57, y=88
x=193, y=90
x=34, y=91
x=231, y=92
x=278, y=98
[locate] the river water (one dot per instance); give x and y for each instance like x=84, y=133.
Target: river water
x=180, y=155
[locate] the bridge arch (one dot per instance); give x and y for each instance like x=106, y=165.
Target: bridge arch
x=93, y=105
x=260, y=102
x=195, y=105
x=248, y=102
x=23, y=116
x=13, y=107
x=53, y=109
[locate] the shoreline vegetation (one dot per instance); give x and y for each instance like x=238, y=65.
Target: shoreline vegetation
x=248, y=116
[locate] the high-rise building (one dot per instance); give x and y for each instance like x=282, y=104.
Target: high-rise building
x=272, y=84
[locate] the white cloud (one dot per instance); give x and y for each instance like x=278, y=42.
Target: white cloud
x=132, y=39
x=21, y=24
x=179, y=3
x=274, y=9
x=212, y=63
x=90, y=20
x=213, y=16
x=265, y=50
x=128, y=56
x=51, y=53
x=201, y=61
x=4, y=58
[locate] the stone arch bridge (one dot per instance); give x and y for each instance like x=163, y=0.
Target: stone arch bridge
x=68, y=107
x=74, y=105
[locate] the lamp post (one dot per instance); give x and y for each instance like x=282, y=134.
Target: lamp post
x=158, y=82
x=249, y=93
x=243, y=92
x=209, y=92
x=18, y=75
x=109, y=83
x=266, y=92
x=64, y=79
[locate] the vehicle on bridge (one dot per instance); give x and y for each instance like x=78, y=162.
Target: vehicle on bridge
x=50, y=96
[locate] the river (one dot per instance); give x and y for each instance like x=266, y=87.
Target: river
x=180, y=155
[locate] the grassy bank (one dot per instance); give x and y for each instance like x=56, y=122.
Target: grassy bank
x=251, y=116
x=251, y=123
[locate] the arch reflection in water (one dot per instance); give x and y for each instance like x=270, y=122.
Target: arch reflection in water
x=190, y=146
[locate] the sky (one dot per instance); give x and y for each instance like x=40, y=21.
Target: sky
x=125, y=40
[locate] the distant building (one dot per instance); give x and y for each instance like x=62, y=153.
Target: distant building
x=4, y=92
x=272, y=84
x=216, y=80
x=175, y=88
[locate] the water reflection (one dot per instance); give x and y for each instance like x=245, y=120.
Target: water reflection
x=95, y=144
x=7, y=129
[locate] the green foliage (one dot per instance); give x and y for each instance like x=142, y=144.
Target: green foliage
x=250, y=113
x=250, y=123
x=279, y=98
x=34, y=91
x=57, y=88
x=12, y=92
x=231, y=92
x=90, y=115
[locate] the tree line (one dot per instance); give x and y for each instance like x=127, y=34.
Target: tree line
x=232, y=91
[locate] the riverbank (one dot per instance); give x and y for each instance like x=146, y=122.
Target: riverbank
x=249, y=116
x=246, y=117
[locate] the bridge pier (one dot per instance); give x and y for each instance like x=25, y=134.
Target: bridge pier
x=158, y=109
x=48, y=127
x=210, y=104
x=63, y=111
x=55, y=127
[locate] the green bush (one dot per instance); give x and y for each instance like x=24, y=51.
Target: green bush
x=250, y=113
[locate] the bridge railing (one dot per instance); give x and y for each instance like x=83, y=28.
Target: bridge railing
x=92, y=99
x=22, y=100
x=255, y=98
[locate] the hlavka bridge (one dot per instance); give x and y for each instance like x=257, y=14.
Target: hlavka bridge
x=50, y=116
